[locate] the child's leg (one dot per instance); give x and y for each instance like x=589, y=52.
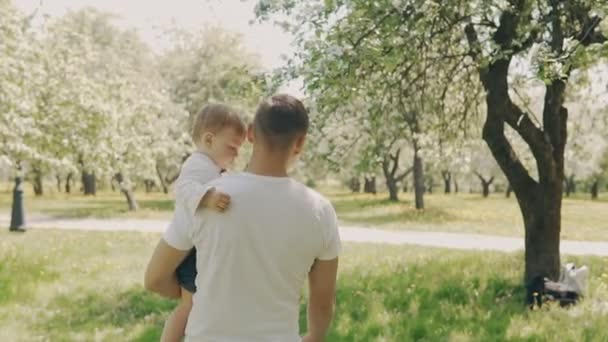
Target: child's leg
x=176, y=323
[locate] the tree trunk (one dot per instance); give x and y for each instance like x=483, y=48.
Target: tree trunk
x=456, y=185
x=148, y=184
x=37, y=182
x=163, y=183
x=485, y=184
x=58, y=178
x=418, y=180
x=405, y=187
x=354, y=185
x=570, y=185
x=168, y=179
x=390, y=164
x=542, y=218
x=89, y=184
x=391, y=184
x=509, y=190
x=68, y=181
x=430, y=185
x=447, y=181
x=370, y=185
x=595, y=189
x=125, y=190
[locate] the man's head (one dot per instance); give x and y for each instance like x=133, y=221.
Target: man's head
x=219, y=131
x=280, y=126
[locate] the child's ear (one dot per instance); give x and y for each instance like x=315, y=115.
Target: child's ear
x=208, y=139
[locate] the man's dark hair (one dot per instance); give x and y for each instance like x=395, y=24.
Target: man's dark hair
x=280, y=120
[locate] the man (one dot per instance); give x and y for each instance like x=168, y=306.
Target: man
x=253, y=259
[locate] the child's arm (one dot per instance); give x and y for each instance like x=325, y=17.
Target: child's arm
x=215, y=200
x=192, y=190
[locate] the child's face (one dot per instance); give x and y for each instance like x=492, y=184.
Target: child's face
x=224, y=146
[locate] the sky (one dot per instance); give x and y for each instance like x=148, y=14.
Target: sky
x=148, y=17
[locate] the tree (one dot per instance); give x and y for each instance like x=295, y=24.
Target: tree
x=357, y=51
x=562, y=34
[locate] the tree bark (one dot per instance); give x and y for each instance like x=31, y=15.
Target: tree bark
x=354, y=185
x=456, y=185
x=570, y=185
x=68, y=181
x=37, y=182
x=418, y=179
x=485, y=184
x=447, y=181
x=167, y=180
x=430, y=185
x=509, y=190
x=58, y=178
x=89, y=183
x=595, y=189
x=369, y=186
x=148, y=185
x=125, y=190
x=390, y=164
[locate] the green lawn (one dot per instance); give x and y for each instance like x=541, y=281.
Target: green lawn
x=104, y=205
x=86, y=286
x=467, y=213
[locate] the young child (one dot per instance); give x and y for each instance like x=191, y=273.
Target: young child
x=218, y=133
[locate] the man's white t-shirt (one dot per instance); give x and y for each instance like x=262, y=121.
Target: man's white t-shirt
x=253, y=259
x=190, y=187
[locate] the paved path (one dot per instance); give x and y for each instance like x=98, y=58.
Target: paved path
x=348, y=233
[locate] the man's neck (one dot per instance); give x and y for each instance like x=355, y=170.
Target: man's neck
x=263, y=164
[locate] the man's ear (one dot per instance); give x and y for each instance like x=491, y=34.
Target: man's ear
x=208, y=139
x=299, y=146
x=250, y=133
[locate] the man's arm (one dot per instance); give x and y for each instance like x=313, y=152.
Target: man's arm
x=321, y=298
x=160, y=273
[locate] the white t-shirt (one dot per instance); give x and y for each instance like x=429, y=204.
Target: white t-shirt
x=191, y=186
x=253, y=259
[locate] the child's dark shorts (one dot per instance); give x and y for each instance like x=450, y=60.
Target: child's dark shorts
x=186, y=272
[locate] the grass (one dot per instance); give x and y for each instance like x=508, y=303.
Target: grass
x=103, y=205
x=582, y=219
x=86, y=286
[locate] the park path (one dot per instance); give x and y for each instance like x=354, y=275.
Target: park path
x=347, y=232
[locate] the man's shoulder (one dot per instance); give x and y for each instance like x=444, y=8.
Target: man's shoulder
x=315, y=197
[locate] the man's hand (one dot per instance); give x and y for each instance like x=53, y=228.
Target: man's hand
x=216, y=200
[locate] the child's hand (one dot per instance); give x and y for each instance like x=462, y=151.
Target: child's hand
x=216, y=200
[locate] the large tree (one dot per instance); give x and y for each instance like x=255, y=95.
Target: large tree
x=560, y=32
x=556, y=38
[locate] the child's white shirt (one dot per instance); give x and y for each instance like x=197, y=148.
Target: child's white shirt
x=190, y=187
